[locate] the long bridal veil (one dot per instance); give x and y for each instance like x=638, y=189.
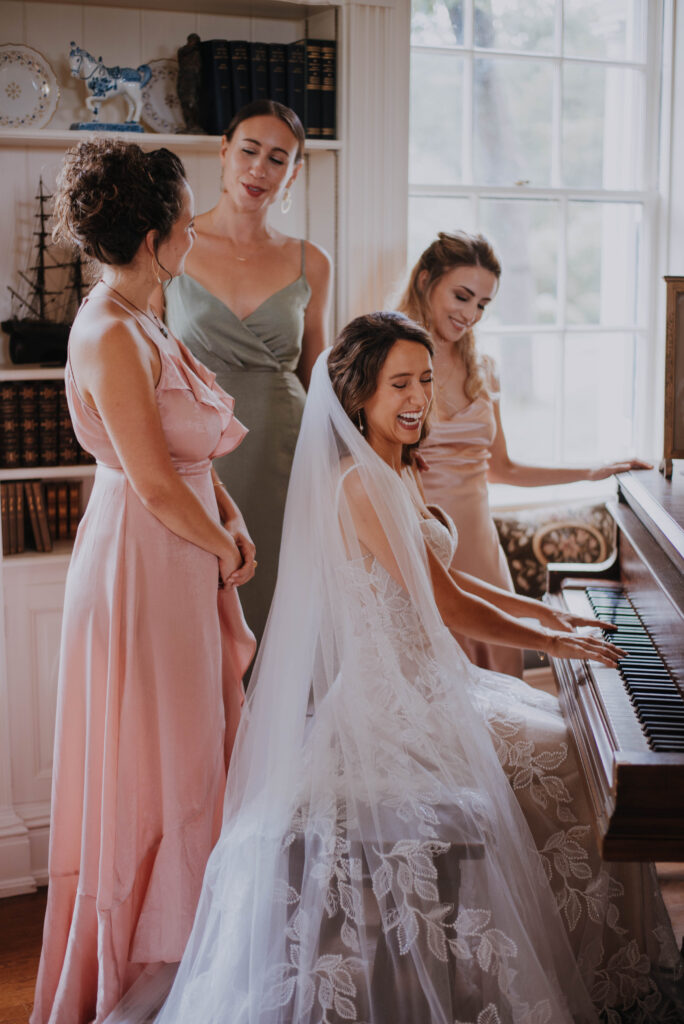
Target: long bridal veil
x=373, y=864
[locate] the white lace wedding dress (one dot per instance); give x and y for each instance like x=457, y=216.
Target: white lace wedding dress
x=374, y=863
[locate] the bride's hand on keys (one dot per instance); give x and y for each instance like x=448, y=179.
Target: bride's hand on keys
x=573, y=645
x=555, y=619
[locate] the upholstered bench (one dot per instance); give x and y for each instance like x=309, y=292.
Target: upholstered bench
x=533, y=537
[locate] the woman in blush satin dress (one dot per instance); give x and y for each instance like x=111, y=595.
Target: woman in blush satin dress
x=451, y=285
x=154, y=644
x=253, y=306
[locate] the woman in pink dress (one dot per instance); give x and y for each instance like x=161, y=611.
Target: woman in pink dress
x=450, y=287
x=154, y=644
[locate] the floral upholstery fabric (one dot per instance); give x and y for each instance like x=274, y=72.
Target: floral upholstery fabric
x=535, y=537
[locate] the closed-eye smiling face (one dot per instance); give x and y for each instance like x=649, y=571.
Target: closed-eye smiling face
x=395, y=412
x=259, y=161
x=458, y=300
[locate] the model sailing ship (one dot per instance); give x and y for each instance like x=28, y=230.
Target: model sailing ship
x=39, y=331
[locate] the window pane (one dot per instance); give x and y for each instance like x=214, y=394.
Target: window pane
x=524, y=234
x=512, y=105
x=602, y=124
x=433, y=23
x=529, y=367
x=603, y=271
x=613, y=29
x=598, y=383
x=521, y=25
x=428, y=215
x=436, y=119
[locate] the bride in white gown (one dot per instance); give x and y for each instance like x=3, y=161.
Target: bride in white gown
x=375, y=865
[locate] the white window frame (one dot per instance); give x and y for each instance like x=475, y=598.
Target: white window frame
x=657, y=71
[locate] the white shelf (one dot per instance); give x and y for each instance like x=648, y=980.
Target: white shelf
x=61, y=552
x=77, y=470
x=46, y=138
x=287, y=10
x=31, y=371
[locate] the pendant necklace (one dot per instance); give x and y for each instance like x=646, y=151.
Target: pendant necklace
x=154, y=319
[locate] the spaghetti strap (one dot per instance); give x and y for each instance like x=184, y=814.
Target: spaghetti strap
x=303, y=267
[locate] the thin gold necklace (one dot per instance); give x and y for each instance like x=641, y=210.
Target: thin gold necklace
x=154, y=319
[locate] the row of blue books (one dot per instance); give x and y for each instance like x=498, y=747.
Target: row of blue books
x=301, y=75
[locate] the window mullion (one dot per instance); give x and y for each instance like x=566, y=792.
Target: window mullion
x=561, y=319
x=467, y=137
x=468, y=23
x=557, y=126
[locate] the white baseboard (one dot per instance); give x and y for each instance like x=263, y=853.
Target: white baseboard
x=24, y=844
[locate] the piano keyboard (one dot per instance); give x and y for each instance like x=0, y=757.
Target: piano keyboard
x=653, y=692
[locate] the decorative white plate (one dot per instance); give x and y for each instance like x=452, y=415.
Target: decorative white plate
x=161, y=106
x=28, y=87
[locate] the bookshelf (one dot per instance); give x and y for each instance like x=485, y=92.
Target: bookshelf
x=350, y=198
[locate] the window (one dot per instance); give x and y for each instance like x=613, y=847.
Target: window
x=536, y=123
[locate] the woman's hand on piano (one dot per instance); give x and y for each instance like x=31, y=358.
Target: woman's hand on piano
x=554, y=618
x=586, y=648
x=613, y=468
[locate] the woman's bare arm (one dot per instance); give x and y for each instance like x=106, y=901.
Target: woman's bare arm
x=314, y=339
x=505, y=470
x=116, y=371
x=463, y=611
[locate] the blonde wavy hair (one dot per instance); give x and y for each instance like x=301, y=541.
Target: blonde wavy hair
x=447, y=252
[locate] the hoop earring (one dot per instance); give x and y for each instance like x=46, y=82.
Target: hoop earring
x=360, y=422
x=286, y=202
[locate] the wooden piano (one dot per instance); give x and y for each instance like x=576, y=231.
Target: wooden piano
x=628, y=722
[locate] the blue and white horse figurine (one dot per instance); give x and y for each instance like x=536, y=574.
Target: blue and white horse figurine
x=103, y=82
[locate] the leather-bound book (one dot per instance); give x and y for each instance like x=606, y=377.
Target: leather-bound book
x=62, y=510
x=40, y=501
x=296, y=68
x=47, y=420
x=4, y=516
x=277, y=72
x=239, y=73
x=28, y=422
x=258, y=71
x=68, y=448
x=50, y=492
x=216, y=97
x=328, y=88
x=12, y=516
x=9, y=423
x=33, y=515
x=75, y=487
x=312, y=89
x=20, y=514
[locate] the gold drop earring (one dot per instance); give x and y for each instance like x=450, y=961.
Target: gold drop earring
x=286, y=201
x=360, y=420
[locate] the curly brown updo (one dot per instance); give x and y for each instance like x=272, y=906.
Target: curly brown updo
x=358, y=355
x=111, y=193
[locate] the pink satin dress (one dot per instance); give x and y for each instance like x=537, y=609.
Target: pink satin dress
x=151, y=662
x=457, y=451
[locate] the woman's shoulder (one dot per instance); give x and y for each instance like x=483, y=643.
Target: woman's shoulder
x=318, y=264
x=103, y=333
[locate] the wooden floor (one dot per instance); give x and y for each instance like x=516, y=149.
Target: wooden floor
x=21, y=927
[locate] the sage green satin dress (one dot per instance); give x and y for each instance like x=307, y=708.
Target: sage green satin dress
x=254, y=361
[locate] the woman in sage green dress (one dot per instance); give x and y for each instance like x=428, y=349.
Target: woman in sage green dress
x=252, y=306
